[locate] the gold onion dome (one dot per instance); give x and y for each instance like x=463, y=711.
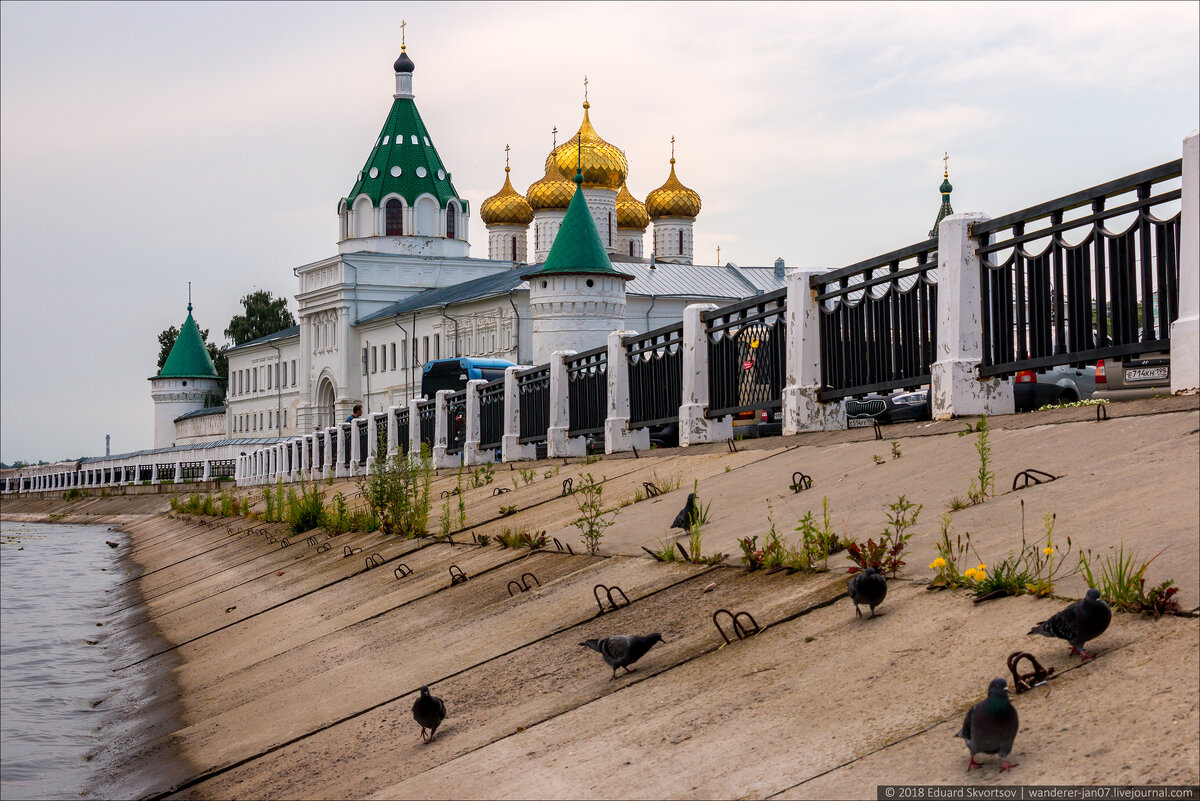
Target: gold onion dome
x=603, y=165
x=506, y=207
x=552, y=191
x=631, y=212
x=673, y=199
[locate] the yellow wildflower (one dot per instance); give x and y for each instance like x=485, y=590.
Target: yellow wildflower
x=1031, y=588
x=982, y=568
x=937, y=564
x=1048, y=550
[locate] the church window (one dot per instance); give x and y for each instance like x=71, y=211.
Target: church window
x=283, y=381
x=610, y=228
x=270, y=419
x=393, y=356
x=437, y=346
x=537, y=239
x=394, y=217
x=285, y=418
x=254, y=422
x=681, y=243
x=269, y=371
x=364, y=361
x=514, y=244
x=293, y=372
x=425, y=348
x=255, y=382
x=630, y=247
x=374, y=358
x=404, y=353
x=450, y=221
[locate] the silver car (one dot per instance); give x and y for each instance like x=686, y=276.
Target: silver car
x=1131, y=378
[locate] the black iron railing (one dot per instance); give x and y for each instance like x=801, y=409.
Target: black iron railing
x=587, y=391
x=332, y=458
x=361, y=432
x=878, y=325
x=533, y=393
x=747, y=349
x=491, y=414
x=346, y=431
x=655, y=361
x=456, y=419
x=221, y=468
x=1048, y=301
x=402, y=432
x=145, y=472
x=427, y=420
x=320, y=461
x=166, y=472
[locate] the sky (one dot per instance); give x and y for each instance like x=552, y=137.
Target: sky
x=146, y=145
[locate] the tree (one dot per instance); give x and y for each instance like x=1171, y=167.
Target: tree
x=166, y=341
x=264, y=315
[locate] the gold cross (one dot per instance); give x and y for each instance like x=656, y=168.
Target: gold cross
x=718, y=255
x=555, y=132
x=672, y=147
x=584, y=88
x=402, y=44
x=506, y=158
x=946, y=163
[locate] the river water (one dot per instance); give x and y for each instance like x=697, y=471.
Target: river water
x=64, y=597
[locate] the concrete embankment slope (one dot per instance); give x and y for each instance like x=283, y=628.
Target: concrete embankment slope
x=297, y=665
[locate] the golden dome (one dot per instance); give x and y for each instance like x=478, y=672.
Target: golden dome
x=552, y=191
x=603, y=165
x=631, y=212
x=506, y=207
x=673, y=199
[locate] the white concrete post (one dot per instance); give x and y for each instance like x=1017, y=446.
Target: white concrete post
x=153, y=473
x=355, y=447
x=695, y=427
x=178, y=471
x=441, y=432
x=207, y=471
x=327, y=456
x=393, y=437
x=617, y=436
x=802, y=411
x=343, y=442
x=511, y=449
x=1185, y=331
x=472, y=455
x=414, y=430
x=558, y=443
x=305, y=465
x=372, y=441
x=957, y=390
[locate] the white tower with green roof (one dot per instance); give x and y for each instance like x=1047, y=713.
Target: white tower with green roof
x=576, y=298
x=403, y=200
x=187, y=382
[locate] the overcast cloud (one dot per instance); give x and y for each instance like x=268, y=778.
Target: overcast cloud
x=143, y=146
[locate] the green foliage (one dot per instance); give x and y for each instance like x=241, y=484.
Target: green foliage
x=462, y=502
x=887, y=554
x=174, y=504
x=816, y=542
x=269, y=502
x=876, y=458
x=1121, y=579
x=591, y=522
x=528, y=474
x=666, y=550
x=551, y=472
x=482, y=475
x=592, y=459
x=983, y=485
x=308, y=511
x=74, y=493
x=397, y=492
x=363, y=520
x=263, y=314
x=209, y=506
x=696, y=523
x=1073, y=404
x=505, y=511
x=445, y=524
x=483, y=539
x=523, y=537
x=896, y=450
x=228, y=504
x=245, y=507
x=337, y=516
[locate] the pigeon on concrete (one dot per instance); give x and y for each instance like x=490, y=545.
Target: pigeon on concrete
x=683, y=520
x=623, y=650
x=991, y=726
x=428, y=711
x=868, y=587
x=1081, y=621
x=111, y=544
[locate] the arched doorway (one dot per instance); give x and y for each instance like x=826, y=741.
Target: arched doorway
x=325, y=398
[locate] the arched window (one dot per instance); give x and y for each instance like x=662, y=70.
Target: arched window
x=537, y=239
x=610, y=228
x=450, y=221
x=514, y=244
x=681, y=243
x=630, y=247
x=394, y=218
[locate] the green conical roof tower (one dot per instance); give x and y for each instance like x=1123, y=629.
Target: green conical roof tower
x=404, y=160
x=577, y=247
x=188, y=357
x=945, y=189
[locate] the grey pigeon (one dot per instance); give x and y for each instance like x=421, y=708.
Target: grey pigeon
x=1083, y=620
x=623, y=650
x=868, y=587
x=428, y=711
x=683, y=520
x=991, y=726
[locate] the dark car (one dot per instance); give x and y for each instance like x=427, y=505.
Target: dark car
x=899, y=407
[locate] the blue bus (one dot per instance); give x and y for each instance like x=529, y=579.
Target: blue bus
x=453, y=374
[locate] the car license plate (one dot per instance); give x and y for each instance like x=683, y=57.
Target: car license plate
x=860, y=422
x=778, y=416
x=1146, y=373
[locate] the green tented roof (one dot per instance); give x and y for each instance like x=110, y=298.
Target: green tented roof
x=404, y=143
x=946, y=210
x=188, y=357
x=577, y=246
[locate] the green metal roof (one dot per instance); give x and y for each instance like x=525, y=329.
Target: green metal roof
x=188, y=357
x=577, y=246
x=945, y=211
x=404, y=145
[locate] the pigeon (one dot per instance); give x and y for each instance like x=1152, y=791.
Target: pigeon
x=1081, y=621
x=991, y=726
x=111, y=544
x=623, y=650
x=869, y=587
x=683, y=520
x=428, y=711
